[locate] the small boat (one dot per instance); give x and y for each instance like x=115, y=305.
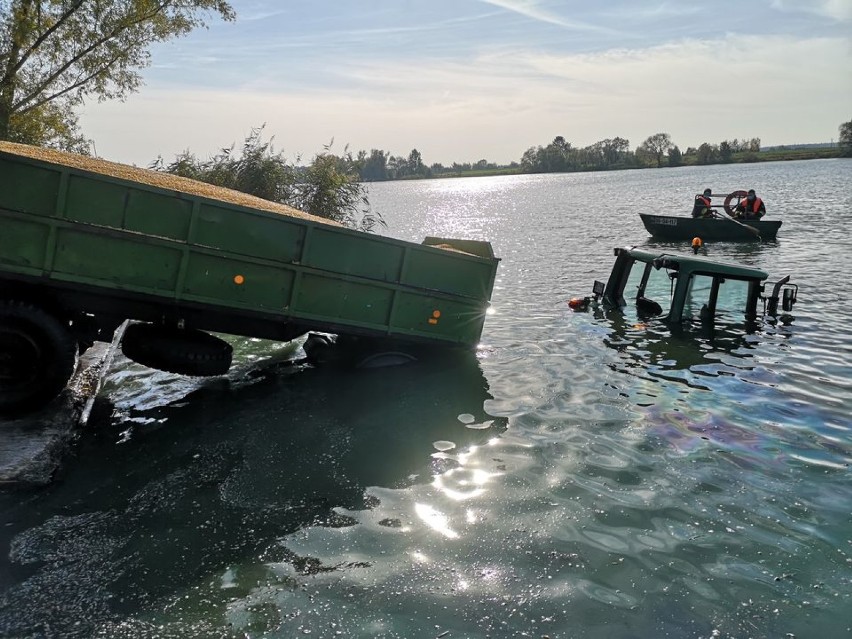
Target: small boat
x=709, y=229
x=721, y=227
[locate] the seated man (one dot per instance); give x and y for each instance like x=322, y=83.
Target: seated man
x=751, y=208
x=702, y=207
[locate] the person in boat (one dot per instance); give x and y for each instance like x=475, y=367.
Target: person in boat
x=702, y=206
x=751, y=208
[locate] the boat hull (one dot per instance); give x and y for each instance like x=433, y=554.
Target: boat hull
x=670, y=227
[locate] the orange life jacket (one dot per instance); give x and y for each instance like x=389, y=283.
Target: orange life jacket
x=755, y=206
x=704, y=200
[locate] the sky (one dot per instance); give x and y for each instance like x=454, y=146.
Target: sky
x=466, y=80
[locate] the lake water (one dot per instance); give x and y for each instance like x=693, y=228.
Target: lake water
x=578, y=477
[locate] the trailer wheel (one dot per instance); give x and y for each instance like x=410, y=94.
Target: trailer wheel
x=388, y=358
x=182, y=351
x=37, y=356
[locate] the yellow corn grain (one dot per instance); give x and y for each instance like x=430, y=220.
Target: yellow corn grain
x=156, y=179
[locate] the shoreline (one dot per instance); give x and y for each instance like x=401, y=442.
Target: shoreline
x=779, y=155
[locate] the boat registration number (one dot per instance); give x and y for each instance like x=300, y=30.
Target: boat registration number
x=664, y=220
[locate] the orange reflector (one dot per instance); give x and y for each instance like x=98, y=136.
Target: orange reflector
x=239, y=279
x=436, y=314
x=433, y=321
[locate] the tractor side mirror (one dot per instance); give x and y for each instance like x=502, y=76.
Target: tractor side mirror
x=789, y=297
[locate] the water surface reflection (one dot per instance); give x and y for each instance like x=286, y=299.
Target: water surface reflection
x=650, y=346
x=215, y=479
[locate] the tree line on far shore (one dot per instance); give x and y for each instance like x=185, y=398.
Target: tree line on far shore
x=560, y=156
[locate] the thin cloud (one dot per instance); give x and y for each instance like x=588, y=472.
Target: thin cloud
x=662, y=10
x=840, y=10
x=250, y=16
x=332, y=41
x=532, y=9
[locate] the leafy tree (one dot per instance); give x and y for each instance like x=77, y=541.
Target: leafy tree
x=656, y=146
x=555, y=157
x=328, y=188
x=845, y=141
x=185, y=165
x=415, y=162
x=48, y=125
x=56, y=53
x=707, y=154
x=726, y=152
x=645, y=157
x=561, y=144
x=559, y=154
x=397, y=167
x=675, y=156
x=529, y=160
x=614, y=150
x=375, y=167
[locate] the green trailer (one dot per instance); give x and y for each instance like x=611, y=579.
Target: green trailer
x=86, y=245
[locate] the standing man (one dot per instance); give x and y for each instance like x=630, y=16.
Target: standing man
x=751, y=208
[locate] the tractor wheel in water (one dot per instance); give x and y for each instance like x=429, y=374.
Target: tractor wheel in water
x=37, y=357
x=182, y=351
x=739, y=196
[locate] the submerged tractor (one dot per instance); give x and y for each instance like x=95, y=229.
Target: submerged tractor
x=676, y=288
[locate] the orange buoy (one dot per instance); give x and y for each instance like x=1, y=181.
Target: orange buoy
x=578, y=303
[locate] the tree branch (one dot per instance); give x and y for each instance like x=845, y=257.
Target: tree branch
x=41, y=39
x=70, y=88
x=42, y=86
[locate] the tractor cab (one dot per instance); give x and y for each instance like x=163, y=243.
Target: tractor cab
x=677, y=288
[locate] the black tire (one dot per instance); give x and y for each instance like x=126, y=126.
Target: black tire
x=185, y=352
x=37, y=357
x=320, y=349
x=386, y=358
